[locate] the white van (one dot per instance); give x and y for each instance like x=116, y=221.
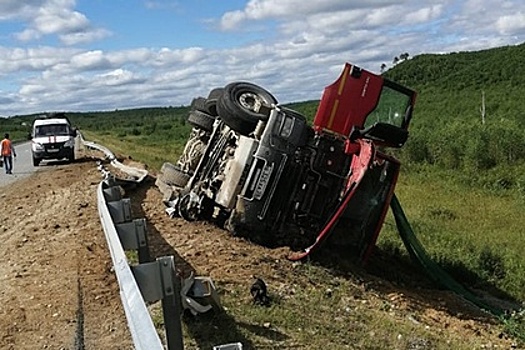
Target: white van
x=52, y=137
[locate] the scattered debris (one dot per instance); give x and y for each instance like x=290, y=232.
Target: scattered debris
x=259, y=292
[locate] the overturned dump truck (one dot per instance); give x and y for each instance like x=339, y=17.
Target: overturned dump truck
x=261, y=171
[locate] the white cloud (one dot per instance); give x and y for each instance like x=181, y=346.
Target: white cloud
x=167, y=57
x=90, y=60
x=308, y=44
x=82, y=37
x=51, y=17
x=232, y=20
x=117, y=77
x=293, y=9
x=58, y=17
x=511, y=24
x=28, y=34
x=423, y=15
x=10, y=9
x=32, y=59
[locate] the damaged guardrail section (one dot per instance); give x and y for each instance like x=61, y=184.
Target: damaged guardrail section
x=135, y=174
x=147, y=281
x=139, y=320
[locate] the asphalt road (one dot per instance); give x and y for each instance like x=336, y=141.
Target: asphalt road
x=22, y=165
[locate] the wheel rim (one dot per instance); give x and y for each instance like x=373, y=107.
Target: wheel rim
x=251, y=101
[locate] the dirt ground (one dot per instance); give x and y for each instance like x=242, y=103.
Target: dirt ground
x=58, y=290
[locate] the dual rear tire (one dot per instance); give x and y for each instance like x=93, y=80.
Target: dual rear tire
x=240, y=105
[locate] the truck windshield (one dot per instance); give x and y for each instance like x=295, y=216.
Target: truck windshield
x=391, y=108
x=52, y=130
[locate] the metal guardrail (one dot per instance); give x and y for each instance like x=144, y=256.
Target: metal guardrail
x=141, y=326
x=137, y=174
x=149, y=280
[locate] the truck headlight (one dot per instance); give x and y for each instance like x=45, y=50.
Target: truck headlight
x=38, y=147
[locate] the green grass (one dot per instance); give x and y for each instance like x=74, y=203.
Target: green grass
x=151, y=154
x=315, y=309
x=474, y=233
x=466, y=229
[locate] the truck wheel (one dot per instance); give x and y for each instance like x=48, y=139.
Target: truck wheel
x=199, y=104
x=165, y=189
x=211, y=101
x=172, y=175
x=242, y=105
x=201, y=120
x=36, y=161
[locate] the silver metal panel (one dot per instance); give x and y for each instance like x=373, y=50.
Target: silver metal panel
x=142, y=329
x=149, y=279
x=132, y=234
x=227, y=194
x=112, y=194
x=120, y=210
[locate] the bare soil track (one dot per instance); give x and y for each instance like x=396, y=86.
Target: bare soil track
x=58, y=290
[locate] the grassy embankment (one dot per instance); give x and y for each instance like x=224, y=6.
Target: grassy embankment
x=462, y=188
x=474, y=232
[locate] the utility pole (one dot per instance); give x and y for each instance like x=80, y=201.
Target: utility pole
x=482, y=108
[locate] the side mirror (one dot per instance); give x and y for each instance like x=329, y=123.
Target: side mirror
x=29, y=137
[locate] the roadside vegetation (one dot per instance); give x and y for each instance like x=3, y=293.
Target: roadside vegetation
x=462, y=184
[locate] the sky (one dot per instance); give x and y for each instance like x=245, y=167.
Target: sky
x=103, y=55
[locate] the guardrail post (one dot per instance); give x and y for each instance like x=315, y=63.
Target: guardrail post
x=171, y=304
x=133, y=236
x=120, y=211
x=112, y=194
x=158, y=281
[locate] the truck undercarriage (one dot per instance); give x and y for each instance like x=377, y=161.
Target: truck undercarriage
x=259, y=170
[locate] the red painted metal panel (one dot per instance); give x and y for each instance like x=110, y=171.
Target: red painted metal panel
x=348, y=101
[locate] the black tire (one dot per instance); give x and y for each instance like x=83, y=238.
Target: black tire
x=36, y=161
x=165, y=189
x=211, y=101
x=172, y=175
x=201, y=120
x=239, y=106
x=199, y=104
x=71, y=156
